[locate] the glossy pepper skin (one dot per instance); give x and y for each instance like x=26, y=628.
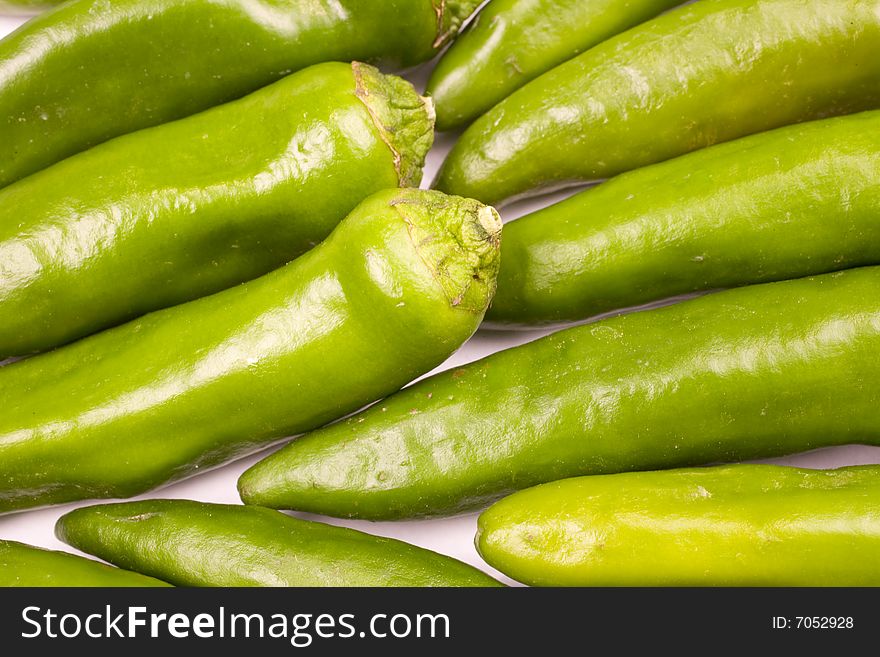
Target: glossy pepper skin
x=745, y=373
x=738, y=525
x=706, y=73
x=197, y=544
x=91, y=70
x=398, y=286
x=182, y=210
x=26, y=565
x=511, y=42
x=783, y=204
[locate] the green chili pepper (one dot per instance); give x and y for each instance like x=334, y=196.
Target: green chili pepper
x=739, y=525
x=26, y=565
x=397, y=287
x=745, y=373
x=197, y=544
x=185, y=209
x=511, y=42
x=702, y=74
x=788, y=203
x=91, y=70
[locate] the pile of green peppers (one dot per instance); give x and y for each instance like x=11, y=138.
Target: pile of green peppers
x=211, y=240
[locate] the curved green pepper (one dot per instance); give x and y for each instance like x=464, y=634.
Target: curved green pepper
x=189, y=208
x=91, y=70
x=788, y=203
x=702, y=74
x=396, y=288
x=511, y=42
x=745, y=373
x=198, y=544
x=26, y=565
x=740, y=525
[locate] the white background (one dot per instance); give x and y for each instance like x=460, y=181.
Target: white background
x=452, y=536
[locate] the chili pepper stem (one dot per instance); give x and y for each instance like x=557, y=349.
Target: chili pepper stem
x=405, y=120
